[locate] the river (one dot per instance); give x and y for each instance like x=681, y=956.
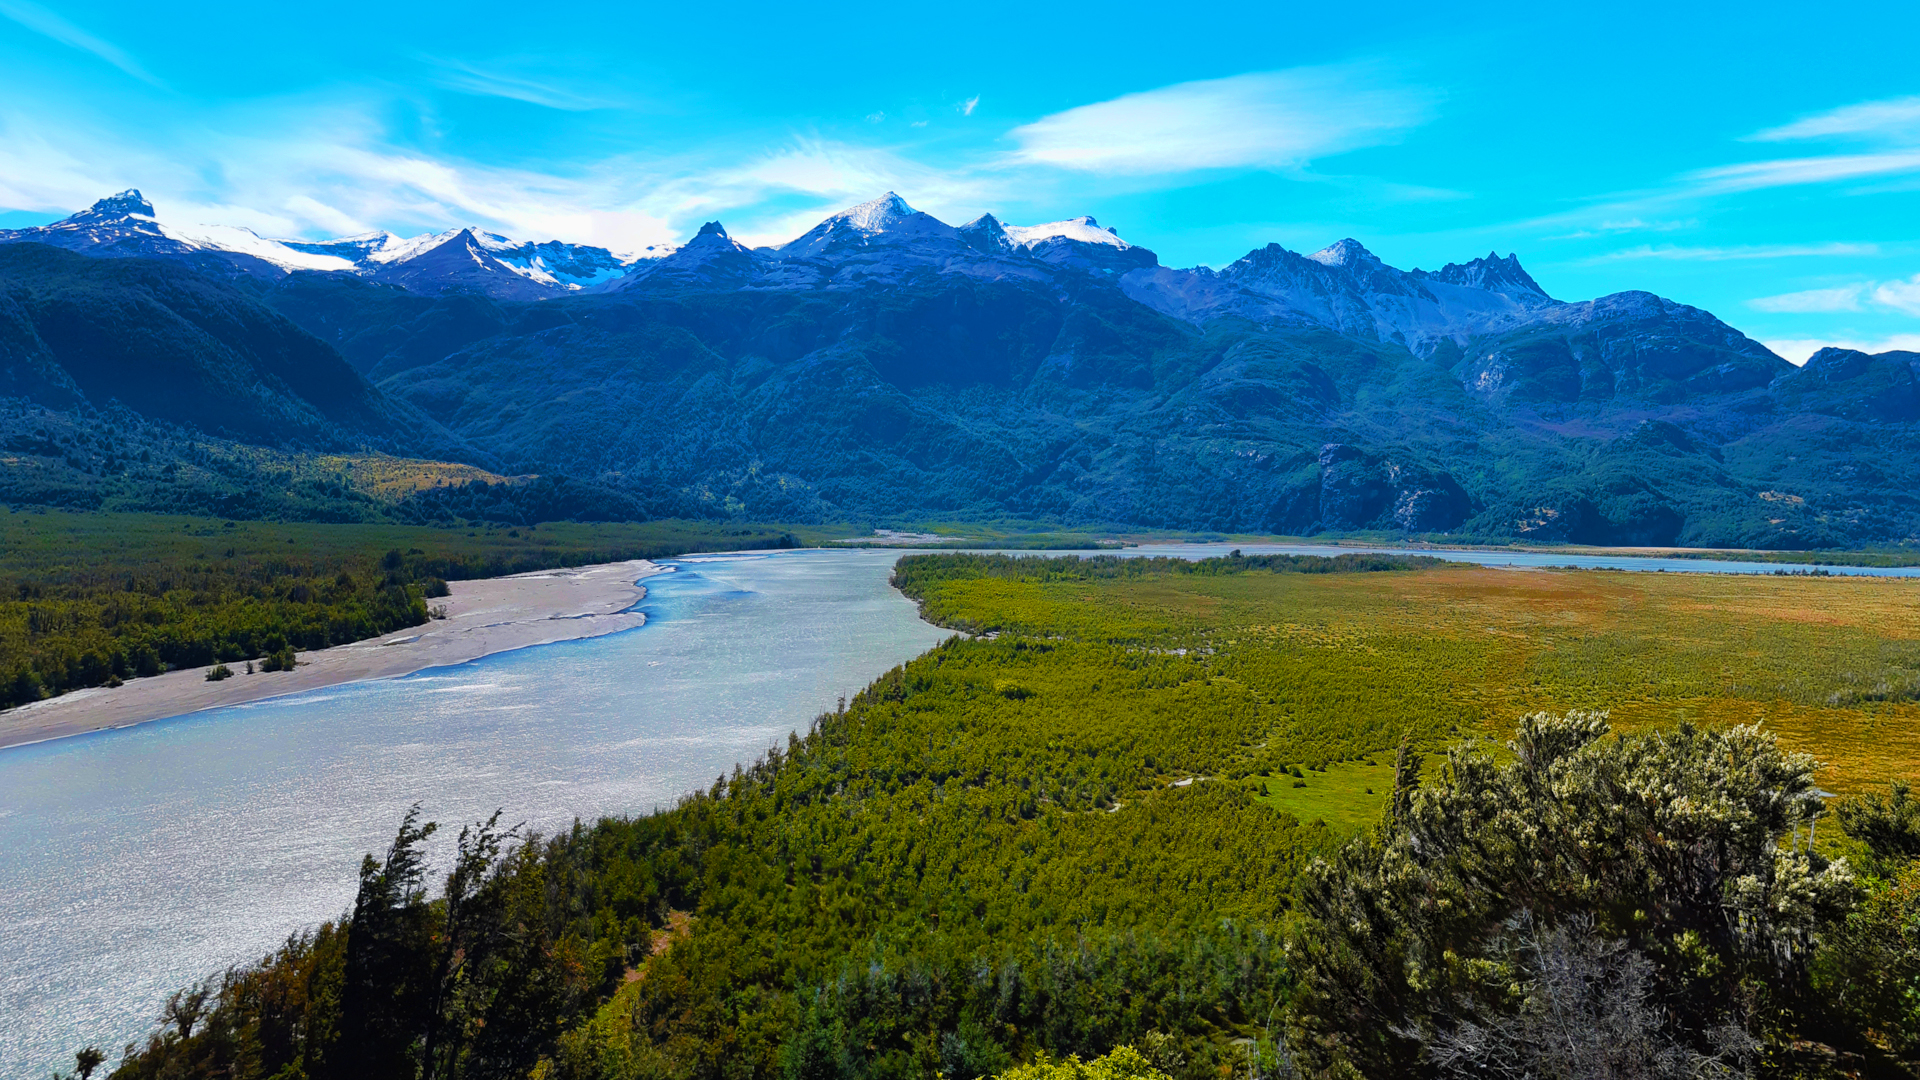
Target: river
x=137, y=860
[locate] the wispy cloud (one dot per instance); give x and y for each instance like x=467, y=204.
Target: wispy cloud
x=966, y=107
x=1800, y=350
x=1275, y=119
x=1724, y=254
x=41, y=21
x=1844, y=298
x=469, y=79
x=1615, y=227
x=1899, y=117
x=1900, y=295
x=1887, y=131
x=1786, y=172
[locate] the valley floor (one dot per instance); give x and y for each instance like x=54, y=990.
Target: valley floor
x=483, y=617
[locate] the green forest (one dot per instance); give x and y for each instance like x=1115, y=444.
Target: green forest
x=94, y=599
x=1058, y=847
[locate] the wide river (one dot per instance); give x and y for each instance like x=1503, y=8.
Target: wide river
x=135, y=861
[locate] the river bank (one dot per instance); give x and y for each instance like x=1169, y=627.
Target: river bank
x=485, y=616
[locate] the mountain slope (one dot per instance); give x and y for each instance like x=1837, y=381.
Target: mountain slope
x=178, y=346
x=124, y=226
x=461, y=260
x=887, y=365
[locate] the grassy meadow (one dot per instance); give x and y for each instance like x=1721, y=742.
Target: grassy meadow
x=1339, y=665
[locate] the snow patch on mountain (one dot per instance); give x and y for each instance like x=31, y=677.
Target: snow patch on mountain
x=1084, y=229
x=231, y=238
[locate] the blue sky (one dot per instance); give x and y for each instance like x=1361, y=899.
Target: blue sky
x=1759, y=160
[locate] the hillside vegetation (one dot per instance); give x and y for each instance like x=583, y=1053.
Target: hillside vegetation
x=1071, y=399
x=1059, y=836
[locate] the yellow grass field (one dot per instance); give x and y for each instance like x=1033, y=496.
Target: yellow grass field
x=1342, y=662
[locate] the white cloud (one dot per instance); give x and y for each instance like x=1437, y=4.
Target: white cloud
x=967, y=106
x=1799, y=350
x=1894, y=116
x=307, y=169
x=469, y=79
x=1899, y=295
x=1272, y=119
x=1786, y=172
x=1724, y=254
x=1845, y=298
x=41, y=21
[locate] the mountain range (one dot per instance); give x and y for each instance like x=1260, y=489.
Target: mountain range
x=887, y=365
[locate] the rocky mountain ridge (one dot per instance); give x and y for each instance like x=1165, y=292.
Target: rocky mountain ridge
x=888, y=366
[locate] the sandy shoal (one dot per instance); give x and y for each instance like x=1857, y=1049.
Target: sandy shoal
x=483, y=617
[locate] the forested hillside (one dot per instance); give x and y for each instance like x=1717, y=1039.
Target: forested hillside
x=1065, y=836
x=176, y=346
x=1640, y=421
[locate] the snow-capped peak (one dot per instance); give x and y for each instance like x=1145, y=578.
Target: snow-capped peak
x=886, y=221
x=875, y=215
x=127, y=203
x=1344, y=253
x=1084, y=229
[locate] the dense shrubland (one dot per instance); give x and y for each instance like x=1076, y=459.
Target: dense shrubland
x=1047, y=843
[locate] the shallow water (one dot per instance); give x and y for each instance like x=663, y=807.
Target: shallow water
x=135, y=861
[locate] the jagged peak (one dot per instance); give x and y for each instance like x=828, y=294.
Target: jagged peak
x=712, y=228
x=1492, y=273
x=1345, y=252
x=129, y=201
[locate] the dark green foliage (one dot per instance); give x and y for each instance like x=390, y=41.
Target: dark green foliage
x=389, y=979
x=1888, y=825
x=1667, y=841
x=472, y=984
x=1866, y=978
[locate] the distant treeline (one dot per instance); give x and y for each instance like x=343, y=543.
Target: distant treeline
x=89, y=599
x=916, y=573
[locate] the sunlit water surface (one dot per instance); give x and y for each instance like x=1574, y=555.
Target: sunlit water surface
x=135, y=861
